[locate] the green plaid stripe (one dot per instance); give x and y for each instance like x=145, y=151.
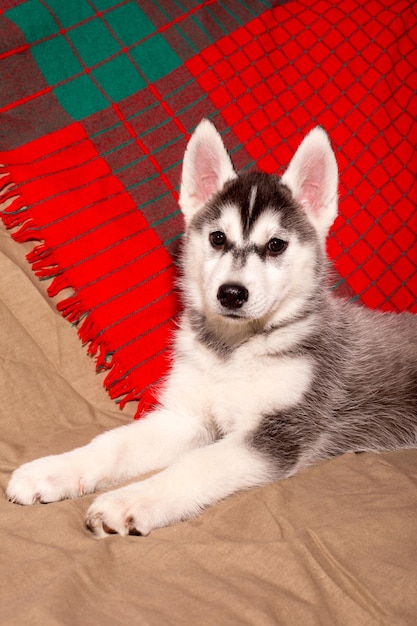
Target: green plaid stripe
x=93, y=54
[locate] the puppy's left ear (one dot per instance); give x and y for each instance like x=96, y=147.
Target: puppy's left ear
x=312, y=178
x=206, y=168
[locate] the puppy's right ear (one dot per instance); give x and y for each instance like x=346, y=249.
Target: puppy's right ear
x=206, y=168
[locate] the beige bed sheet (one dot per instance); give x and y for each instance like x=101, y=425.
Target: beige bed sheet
x=336, y=544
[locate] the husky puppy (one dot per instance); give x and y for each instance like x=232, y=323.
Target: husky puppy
x=271, y=371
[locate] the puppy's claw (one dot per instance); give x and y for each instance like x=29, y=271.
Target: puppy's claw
x=131, y=528
x=94, y=523
x=108, y=530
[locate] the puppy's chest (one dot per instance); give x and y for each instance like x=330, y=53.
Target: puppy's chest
x=239, y=391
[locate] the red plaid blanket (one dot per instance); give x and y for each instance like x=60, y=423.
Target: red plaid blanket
x=98, y=98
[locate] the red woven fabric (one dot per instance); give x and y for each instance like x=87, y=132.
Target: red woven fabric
x=87, y=220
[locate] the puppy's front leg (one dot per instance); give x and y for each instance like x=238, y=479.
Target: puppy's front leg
x=200, y=478
x=148, y=444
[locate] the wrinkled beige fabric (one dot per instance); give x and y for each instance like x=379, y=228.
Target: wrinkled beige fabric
x=336, y=544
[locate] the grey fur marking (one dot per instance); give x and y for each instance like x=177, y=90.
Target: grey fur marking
x=270, y=193
x=363, y=396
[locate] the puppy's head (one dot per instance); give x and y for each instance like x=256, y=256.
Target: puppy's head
x=254, y=242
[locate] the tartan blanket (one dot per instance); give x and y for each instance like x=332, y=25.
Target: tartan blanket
x=99, y=97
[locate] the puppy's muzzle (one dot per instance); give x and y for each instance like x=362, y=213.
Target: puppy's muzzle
x=232, y=296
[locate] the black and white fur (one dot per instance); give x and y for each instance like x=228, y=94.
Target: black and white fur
x=271, y=371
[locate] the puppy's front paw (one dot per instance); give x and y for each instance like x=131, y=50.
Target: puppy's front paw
x=133, y=510
x=48, y=479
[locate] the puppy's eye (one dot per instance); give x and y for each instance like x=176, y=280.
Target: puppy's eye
x=217, y=239
x=277, y=246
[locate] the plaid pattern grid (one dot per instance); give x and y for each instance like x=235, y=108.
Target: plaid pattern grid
x=100, y=97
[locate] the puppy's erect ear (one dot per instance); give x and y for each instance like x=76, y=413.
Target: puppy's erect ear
x=312, y=177
x=206, y=168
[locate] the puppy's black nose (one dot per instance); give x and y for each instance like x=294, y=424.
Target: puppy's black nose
x=232, y=296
